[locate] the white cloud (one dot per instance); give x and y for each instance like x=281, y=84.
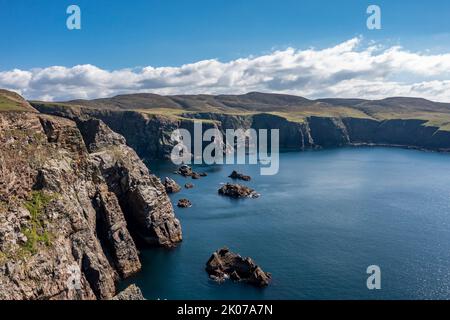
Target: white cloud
x=349, y=69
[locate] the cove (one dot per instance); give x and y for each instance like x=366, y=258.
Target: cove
x=319, y=223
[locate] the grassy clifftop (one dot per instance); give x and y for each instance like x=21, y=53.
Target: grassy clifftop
x=11, y=101
x=293, y=108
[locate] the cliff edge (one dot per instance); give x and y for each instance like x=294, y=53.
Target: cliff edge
x=74, y=201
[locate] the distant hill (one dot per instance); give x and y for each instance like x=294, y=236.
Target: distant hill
x=291, y=107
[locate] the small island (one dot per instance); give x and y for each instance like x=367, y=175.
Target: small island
x=224, y=264
x=237, y=191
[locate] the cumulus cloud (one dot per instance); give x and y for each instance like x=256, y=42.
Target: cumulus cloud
x=349, y=69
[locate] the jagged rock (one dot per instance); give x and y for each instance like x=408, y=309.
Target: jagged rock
x=132, y=293
x=189, y=186
x=237, y=191
x=239, y=176
x=141, y=195
x=90, y=201
x=112, y=228
x=195, y=176
x=184, y=203
x=58, y=183
x=185, y=171
x=171, y=186
x=98, y=136
x=224, y=264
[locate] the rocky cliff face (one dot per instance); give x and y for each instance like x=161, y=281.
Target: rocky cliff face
x=74, y=200
x=150, y=135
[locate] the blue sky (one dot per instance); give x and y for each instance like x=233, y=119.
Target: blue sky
x=313, y=48
x=118, y=34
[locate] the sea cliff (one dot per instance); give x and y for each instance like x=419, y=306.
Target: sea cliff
x=75, y=203
x=149, y=135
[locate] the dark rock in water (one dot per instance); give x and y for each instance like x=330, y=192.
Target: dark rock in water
x=203, y=174
x=195, y=176
x=189, y=186
x=132, y=293
x=239, y=176
x=171, y=186
x=237, y=191
x=225, y=264
x=184, y=203
x=185, y=171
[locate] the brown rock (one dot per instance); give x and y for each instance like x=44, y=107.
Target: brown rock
x=224, y=264
x=195, y=176
x=184, y=203
x=83, y=184
x=112, y=228
x=189, y=186
x=142, y=195
x=239, y=176
x=171, y=186
x=185, y=171
x=237, y=191
x=132, y=293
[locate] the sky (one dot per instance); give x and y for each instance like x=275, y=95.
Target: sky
x=319, y=48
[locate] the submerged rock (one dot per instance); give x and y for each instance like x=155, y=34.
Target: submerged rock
x=224, y=264
x=239, y=176
x=171, y=186
x=189, y=186
x=237, y=191
x=184, y=203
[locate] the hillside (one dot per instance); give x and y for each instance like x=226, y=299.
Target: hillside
x=10, y=101
x=290, y=107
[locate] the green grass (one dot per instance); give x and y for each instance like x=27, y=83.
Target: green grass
x=3, y=258
x=9, y=105
x=36, y=233
x=290, y=108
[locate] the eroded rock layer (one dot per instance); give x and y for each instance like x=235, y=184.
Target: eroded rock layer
x=150, y=135
x=74, y=200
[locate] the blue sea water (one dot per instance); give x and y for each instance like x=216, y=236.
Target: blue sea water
x=319, y=223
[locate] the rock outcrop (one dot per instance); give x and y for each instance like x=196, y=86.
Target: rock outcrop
x=74, y=201
x=171, y=186
x=239, y=176
x=150, y=135
x=132, y=293
x=237, y=191
x=185, y=171
x=224, y=264
x=184, y=203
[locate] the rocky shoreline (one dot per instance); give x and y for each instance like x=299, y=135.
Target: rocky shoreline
x=150, y=136
x=77, y=201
